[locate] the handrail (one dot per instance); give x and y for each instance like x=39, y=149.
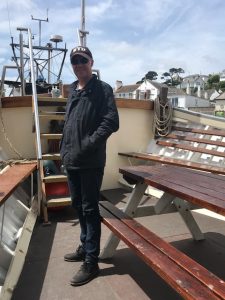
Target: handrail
x=3, y=78
x=35, y=101
x=199, y=118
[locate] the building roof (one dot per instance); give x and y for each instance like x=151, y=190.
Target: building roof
x=127, y=88
x=195, y=77
x=133, y=87
x=174, y=91
x=204, y=92
x=220, y=97
x=156, y=84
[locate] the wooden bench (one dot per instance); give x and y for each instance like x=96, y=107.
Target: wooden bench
x=187, y=146
x=187, y=277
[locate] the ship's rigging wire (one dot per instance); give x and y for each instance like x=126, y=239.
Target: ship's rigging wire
x=1, y=117
x=10, y=31
x=6, y=137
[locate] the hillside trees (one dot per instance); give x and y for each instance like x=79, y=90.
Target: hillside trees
x=215, y=83
x=151, y=75
x=173, y=76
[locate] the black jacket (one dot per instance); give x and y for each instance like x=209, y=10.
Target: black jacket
x=91, y=117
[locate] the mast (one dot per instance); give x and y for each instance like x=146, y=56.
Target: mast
x=39, y=21
x=82, y=32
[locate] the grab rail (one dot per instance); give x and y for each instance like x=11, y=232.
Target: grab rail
x=35, y=101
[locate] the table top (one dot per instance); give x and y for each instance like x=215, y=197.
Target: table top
x=204, y=189
x=11, y=179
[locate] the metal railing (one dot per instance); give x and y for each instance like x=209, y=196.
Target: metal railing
x=36, y=115
x=3, y=78
x=35, y=100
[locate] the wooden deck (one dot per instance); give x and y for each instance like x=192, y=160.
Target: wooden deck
x=124, y=277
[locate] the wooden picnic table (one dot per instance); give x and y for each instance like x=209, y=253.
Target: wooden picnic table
x=204, y=189
x=182, y=188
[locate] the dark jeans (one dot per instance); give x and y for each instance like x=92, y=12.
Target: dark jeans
x=84, y=186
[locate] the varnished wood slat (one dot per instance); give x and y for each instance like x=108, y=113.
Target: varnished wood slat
x=185, y=262
x=136, y=104
x=58, y=202
x=52, y=100
x=54, y=178
x=184, y=283
x=18, y=101
x=194, y=139
x=51, y=136
x=51, y=156
x=190, y=148
x=12, y=178
x=53, y=116
x=174, y=161
x=216, y=132
x=162, y=178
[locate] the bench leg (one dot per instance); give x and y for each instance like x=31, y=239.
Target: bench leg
x=188, y=218
x=165, y=204
x=129, y=209
x=135, y=199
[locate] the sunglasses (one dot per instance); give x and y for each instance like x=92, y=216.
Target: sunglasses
x=79, y=61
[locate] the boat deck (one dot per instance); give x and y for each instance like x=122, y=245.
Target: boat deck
x=46, y=275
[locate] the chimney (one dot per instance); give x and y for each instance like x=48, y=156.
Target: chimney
x=118, y=84
x=188, y=91
x=199, y=91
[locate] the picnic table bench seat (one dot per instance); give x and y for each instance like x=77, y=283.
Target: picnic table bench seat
x=188, y=145
x=187, y=277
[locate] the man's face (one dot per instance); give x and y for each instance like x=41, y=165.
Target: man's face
x=82, y=66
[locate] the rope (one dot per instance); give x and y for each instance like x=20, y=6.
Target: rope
x=162, y=117
x=11, y=162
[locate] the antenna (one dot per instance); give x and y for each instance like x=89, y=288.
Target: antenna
x=40, y=20
x=82, y=32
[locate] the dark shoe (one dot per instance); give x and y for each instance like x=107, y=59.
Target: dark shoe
x=78, y=255
x=86, y=273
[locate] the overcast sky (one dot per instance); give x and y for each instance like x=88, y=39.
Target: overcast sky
x=128, y=38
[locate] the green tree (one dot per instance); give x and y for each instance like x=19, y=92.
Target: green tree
x=173, y=76
x=222, y=86
x=213, y=82
x=151, y=75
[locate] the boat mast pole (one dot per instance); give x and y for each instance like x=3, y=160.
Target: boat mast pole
x=22, y=91
x=82, y=31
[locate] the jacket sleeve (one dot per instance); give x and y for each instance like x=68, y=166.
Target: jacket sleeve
x=109, y=120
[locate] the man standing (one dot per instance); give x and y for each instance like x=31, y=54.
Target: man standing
x=91, y=117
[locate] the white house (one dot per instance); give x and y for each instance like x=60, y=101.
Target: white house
x=147, y=90
x=181, y=99
x=220, y=105
x=222, y=76
x=193, y=81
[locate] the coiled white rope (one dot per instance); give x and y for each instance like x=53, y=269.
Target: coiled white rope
x=163, y=114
